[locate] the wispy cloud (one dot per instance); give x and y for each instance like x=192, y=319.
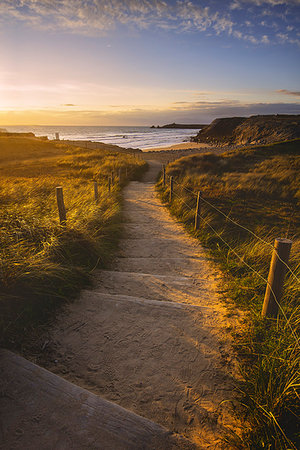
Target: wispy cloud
x=99, y=17
x=287, y=92
x=237, y=4
x=189, y=112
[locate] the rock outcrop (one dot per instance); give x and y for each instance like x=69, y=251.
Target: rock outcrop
x=251, y=130
x=181, y=125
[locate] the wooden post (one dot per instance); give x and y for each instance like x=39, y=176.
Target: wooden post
x=197, y=212
x=109, y=184
x=276, y=277
x=61, y=205
x=96, y=191
x=57, y=136
x=164, y=175
x=171, y=189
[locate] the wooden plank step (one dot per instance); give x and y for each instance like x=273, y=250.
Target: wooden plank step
x=40, y=410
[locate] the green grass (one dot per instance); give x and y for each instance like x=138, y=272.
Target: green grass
x=43, y=264
x=260, y=189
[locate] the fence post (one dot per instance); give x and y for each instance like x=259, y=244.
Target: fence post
x=109, y=184
x=171, y=189
x=96, y=191
x=164, y=175
x=282, y=248
x=197, y=212
x=61, y=205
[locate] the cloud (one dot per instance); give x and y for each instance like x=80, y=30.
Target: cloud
x=287, y=92
x=252, y=39
x=265, y=39
x=203, y=112
x=99, y=17
x=238, y=4
x=68, y=104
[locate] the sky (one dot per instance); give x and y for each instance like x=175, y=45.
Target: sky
x=140, y=62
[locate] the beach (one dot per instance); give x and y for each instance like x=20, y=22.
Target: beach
x=173, y=152
x=181, y=146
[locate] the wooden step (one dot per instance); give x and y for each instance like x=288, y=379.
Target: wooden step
x=40, y=410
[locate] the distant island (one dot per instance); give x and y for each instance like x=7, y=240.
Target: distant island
x=180, y=125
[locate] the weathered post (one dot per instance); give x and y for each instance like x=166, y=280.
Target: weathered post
x=96, y=191
x=281, y=253
x=57, y=136
x=197, y=212
x=171, y=189
x=61, y=205
x=109, y=184
x=164, y=175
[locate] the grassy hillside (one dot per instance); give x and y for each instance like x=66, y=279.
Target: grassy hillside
x=43, y=263
x=259, y=188
x=251, y=130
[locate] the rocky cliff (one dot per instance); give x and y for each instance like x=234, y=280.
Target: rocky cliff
x=251, y=130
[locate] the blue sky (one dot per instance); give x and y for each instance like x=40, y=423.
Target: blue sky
x=95, y=62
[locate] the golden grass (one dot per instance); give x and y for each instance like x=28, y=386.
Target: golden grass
x=260, y=189
x=41, y=262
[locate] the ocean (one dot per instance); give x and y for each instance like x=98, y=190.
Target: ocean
x=128, y=137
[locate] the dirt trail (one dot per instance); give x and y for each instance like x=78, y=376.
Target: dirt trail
x=151, y=336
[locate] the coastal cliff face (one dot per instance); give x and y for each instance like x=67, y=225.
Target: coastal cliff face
x=251, y=130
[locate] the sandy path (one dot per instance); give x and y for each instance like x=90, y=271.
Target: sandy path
x=152, y=334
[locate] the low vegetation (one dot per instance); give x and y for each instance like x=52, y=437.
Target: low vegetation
x=43, y=263
x=259, y=188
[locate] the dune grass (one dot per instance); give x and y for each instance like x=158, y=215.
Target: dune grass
x=42, y=263
x=260, y=189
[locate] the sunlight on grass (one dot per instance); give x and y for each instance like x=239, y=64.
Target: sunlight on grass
x=43, y=263
x=260, y=189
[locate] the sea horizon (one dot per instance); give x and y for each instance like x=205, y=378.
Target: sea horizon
x=142, y=137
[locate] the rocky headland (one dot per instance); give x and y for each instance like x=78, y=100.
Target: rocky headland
x=234, y=131
x=180, y=125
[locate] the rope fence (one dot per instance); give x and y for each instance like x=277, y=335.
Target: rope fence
x=242, y=227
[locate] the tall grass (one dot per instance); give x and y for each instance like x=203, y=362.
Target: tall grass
x=260, y=189
x=42, y=263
